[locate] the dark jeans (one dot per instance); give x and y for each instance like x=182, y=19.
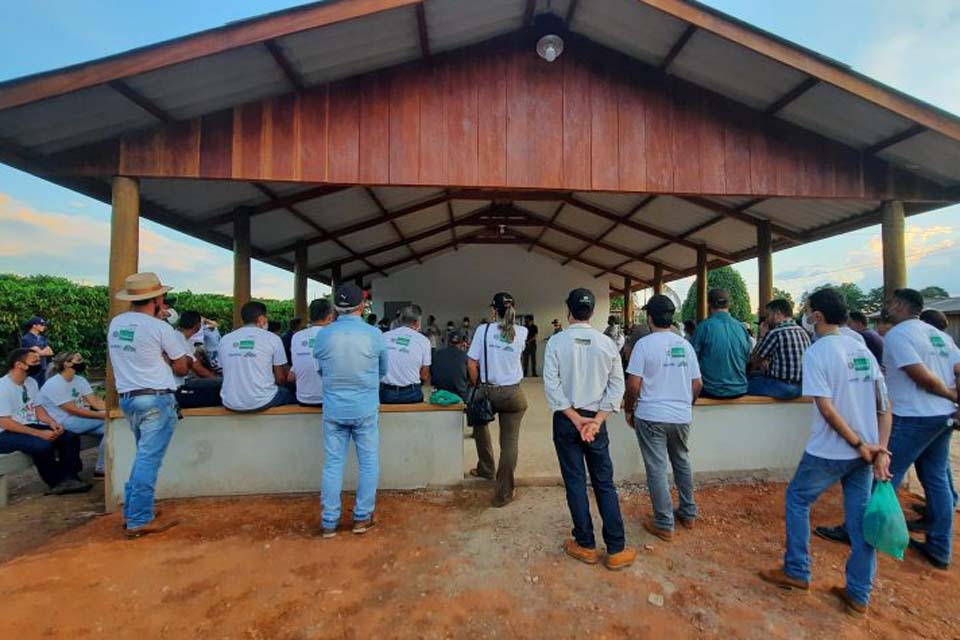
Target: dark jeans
x=200, y=392
x=764, y=385
x=713, y=396
x=390, y=394
x=529, y=357
x=55, y=460
x=572, y=451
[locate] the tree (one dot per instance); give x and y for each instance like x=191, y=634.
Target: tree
x=932, y=293
x=851, y=293
x=873, y=301
x=782, y=293
x=723, y=278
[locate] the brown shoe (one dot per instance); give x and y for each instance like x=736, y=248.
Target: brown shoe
x=575, y=551
x=621, y=560
x=664, y=534
x=686, y=523
x=362, y=526
x=782, y=580
x=123, y=521
x=854, y=608
x=475, y=473
x=154, y=526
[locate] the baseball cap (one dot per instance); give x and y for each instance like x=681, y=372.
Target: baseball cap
x=659, y=304
x=35, y=320
x=455, y=337
x=501, y=300
x=581, y=300
x=348, y=296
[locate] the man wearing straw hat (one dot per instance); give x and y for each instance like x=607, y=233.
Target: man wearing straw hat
x=146, y=354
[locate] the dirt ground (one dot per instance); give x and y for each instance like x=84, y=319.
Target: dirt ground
x=445, y=565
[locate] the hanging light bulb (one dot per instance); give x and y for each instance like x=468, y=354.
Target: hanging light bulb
x=550, y=44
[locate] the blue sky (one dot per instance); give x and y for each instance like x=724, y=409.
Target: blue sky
x=912, y=46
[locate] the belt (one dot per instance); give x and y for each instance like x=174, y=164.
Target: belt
x=393, y=387
x=145, y=392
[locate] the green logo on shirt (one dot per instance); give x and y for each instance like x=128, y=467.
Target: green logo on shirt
x=937, y=341
x=678, y=352
x=245, y=345
x=125, y=335
x=583, y=341
x=860, y=364
x=403, y=341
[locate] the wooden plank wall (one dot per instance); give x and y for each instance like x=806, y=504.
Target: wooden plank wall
x=498, y=116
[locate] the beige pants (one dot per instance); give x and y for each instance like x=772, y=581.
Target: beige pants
x=509, y=404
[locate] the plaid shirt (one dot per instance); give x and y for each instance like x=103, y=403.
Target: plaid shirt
x=783, y=346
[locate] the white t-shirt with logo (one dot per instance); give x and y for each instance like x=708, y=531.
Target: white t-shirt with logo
x=190, y=350
x=19, y=402
x=916, y=342
x=668, y=365
x=57, y=391
x=137, y=343
x=841, y=369
x=407, y=351
x=503, y=367
x=309, y=382
x=247, y=357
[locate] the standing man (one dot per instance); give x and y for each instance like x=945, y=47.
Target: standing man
x=304, y=372
x=778, y=359
x=557, y=327
x=433, y=333
x=146, y=354
x=254, y=364
x=351, y=358
x=530, y=347
x=33, y=339
x=583, y=380
x=408, y=360
x=874, y=341
x=662, y=384
x=723, y=348
x=848, y=434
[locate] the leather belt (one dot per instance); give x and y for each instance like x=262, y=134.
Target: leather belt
x=145, y=392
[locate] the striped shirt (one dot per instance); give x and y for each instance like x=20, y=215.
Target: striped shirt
x=783, y=346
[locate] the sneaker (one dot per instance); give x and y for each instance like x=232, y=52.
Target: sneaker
x=779, y=578
x=620, y=560
x=834, y=534
x=362, y=526
x=328, y=532
x=854, y=608
x=664, y=534
x=583, y=554
x=920, y=525
x=923, y=550
x=154, y=526
x=475, y=473
x=686, y=523
x=71, y=485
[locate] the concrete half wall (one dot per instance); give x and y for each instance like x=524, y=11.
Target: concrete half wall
x=462, y=283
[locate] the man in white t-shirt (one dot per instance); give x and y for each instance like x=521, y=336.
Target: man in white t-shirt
x=201, y=386
x=662, y=384
x=26, y=426
x=849, y=431
x=254, y=364
x=146, y=354
x=408, y=360
x=303, y=371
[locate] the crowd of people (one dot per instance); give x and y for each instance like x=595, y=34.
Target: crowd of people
x=882, y=402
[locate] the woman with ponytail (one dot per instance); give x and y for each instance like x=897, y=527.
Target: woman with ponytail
x=69, y=399
x=494, y=364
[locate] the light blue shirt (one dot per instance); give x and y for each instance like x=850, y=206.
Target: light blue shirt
x=351, y=357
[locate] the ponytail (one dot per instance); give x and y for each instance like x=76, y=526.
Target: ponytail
x=507, y=329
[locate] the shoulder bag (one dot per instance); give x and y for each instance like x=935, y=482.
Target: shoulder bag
x=479, y=409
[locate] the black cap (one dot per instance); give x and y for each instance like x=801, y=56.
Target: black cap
x=659, y=304
x=581, y=300
x=348, y=296
x=500, y=302
x=455, y=337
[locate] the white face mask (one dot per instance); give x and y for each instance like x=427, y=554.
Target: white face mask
x=808, y=324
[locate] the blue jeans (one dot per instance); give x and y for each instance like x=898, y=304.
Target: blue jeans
x=401, y=395
x=571, y=453
x=152, y=420
x=815, y=475
x=926, y=442
x=93, y=426
x=663, y=443
x=55, y=461
x=763, y=385
x=336, y=443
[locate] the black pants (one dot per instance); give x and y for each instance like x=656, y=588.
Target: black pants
x=55, y=460
x=200, y=392
x=572, y=451
x=529, y=357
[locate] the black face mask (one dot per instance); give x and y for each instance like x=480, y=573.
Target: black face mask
x=79, y=367
x=33, y=370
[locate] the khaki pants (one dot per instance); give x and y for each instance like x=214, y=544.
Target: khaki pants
x=509, y=404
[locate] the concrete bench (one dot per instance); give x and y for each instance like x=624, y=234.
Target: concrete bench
x=11, y=463
x=216, y=452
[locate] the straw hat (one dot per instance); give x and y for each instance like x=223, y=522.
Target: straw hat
x=141, y=286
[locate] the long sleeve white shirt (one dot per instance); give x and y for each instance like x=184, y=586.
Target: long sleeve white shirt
x=582, y=369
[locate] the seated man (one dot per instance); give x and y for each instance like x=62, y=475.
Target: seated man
x=778, y=359
x=254, y=365
x=26, y=426
x=408, y=360
x=448, y=371
x=201, y=386
x=723, y=348
x=303, y=371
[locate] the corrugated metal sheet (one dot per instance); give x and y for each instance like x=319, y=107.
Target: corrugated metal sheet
x=583, y=221
x=340, y=209
x=676, y=256
x=728, y=235
x=930, y=154
x=394, y=198
x=737, y=72
x=602, y=256
x=672, y=215
x=370, y=238
x=387, y=257
x=621, y=203
x=324, y=252
x=631, y=27
x=455, y=23
x=276, y=229
x=633, y=240
x=802, y=215
x=541, y=208
x=425, y=219
x=200, y=199
x=843, y=116
x=561, y=241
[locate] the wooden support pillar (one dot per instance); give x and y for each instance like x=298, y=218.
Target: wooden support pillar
x=241, y=263
x=894, y=250
x=764, y=265
x=627, y=303
x=336, y=277
x=701, y=283
x=300, y=283
x=657, y=280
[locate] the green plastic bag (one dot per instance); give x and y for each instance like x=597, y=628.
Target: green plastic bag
x=444, y=398
x=884, y=527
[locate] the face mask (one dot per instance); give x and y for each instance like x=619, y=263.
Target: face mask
x=808, y=323
x=33, y=369
x=79, y=367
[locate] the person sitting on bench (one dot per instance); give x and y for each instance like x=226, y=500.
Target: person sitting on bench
x=408, y=360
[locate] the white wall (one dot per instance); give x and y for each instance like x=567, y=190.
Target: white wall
x=462, y=283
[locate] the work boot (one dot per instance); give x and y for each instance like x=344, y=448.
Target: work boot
x=362, y=526
x=123, y=520
x=664, y=534
x=686, y=523
x=923, y=550
x=154, y=526
x=620, y=560
x=328, y=532
x=834, y=534
x=854, y=609
x=779, y=578
x=475, y=473
x=70, y=485
x=575, y=551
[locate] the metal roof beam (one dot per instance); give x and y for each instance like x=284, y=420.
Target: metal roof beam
x=571, y=12
x=677, y=47
x=566, y=254
x=739, y=213
x=271, y=205
x=553, y=218
x=386, y=217
x=781, y=103
x=422, y=30
x=896, y=138
x=421, y=255
x=141, y=101
x=643, y=203
x=288, y=71
x=528, y=12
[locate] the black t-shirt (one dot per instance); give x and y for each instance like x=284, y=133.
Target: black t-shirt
x=532, y=332
x=449, y=371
